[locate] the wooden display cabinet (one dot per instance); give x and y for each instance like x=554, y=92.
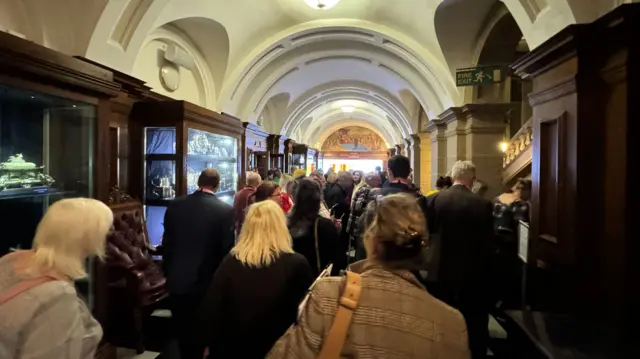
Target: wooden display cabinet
x=173, y=141
x=289, y=145
x=305, y=157
x=254, y=152
x=54, y=112
x=275, y=151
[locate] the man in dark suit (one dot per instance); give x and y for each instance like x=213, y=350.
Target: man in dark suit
x=462, y=223
x=198, y=234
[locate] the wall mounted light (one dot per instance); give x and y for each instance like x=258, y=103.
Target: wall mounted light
x=503, y=146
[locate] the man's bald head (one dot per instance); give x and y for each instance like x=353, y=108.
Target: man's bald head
x=209, y=179
x=373, y=179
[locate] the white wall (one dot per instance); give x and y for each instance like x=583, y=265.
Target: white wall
x=147, y=68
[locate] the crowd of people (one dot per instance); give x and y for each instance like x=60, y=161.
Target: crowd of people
x=273, y=275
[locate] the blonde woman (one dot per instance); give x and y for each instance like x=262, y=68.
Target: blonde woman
x=41, y=313
x=256, y=290
x=395, y=316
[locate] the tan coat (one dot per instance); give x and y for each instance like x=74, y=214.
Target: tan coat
x=395, y=318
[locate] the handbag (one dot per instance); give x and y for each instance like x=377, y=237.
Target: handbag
x=315, y=237
x=334, y=341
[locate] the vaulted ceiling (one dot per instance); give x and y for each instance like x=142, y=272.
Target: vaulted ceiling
x=295, y=70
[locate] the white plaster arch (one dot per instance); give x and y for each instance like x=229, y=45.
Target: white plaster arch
x=324, y=95
x=320, y=108
x=401, y=46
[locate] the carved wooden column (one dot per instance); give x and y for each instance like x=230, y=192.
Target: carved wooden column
x=583, y=250
x=437, y=129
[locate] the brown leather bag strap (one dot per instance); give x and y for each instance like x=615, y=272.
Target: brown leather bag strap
x=334, y=341
x=315, y=236
x=22, y=287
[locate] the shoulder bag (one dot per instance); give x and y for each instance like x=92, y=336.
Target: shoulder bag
x=315, y=237
x=334, y=341
x=24, y=286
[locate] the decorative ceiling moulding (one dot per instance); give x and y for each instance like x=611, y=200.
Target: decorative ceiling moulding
x=441, y=87
x=277, y=75
x=390, y=104
x=340, y=57
x=323, y=34
x=128, y=22
x=264, y=98
x=400, y=116
x=266, y=57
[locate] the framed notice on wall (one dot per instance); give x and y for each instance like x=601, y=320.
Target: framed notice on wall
x=523, y=240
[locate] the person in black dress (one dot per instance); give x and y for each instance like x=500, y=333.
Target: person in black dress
x=255, y=292
x=303, y=221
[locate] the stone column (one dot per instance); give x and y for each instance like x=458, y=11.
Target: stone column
x=437, y=130
x=414, y=154
x=455, y=122
x=424, y=181
x=485, y=128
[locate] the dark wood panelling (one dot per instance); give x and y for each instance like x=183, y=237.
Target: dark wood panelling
x=582, y=256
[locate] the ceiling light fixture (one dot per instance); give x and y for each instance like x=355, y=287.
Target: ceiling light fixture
x=322, y=4
x=348, y=109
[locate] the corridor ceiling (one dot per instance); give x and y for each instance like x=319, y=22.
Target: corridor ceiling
x=293, y=68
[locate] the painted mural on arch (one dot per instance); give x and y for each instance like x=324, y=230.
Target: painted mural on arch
x=353, y=139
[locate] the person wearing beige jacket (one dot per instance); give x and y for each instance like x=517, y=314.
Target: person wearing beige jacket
x=41, y=315
x=395, y=316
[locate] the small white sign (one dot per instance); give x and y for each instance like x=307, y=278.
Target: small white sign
x=523, y=240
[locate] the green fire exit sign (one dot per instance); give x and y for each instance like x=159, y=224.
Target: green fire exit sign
x=474, y=76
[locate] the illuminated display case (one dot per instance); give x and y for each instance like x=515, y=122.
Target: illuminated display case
x=254, y=151
x=54, y=123
x=180, y=140
x=305, y=157
x=46, y=154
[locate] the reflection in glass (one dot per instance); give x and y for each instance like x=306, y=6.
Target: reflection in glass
x=155, y=223
x=160, y=140
x=209, y=150
x=161, y=179
x=46, y=154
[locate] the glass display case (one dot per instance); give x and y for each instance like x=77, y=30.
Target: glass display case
x=210, y=150
x=179, y=141
x=305, y=157
x=46, y=154
x=254, y=151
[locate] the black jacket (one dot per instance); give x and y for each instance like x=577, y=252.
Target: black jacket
x=198, y=233
x=303, y=236
x=463, y=223
x=248, y=309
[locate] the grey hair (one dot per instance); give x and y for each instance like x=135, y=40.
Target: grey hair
x=463, y=171
x=253, y=178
